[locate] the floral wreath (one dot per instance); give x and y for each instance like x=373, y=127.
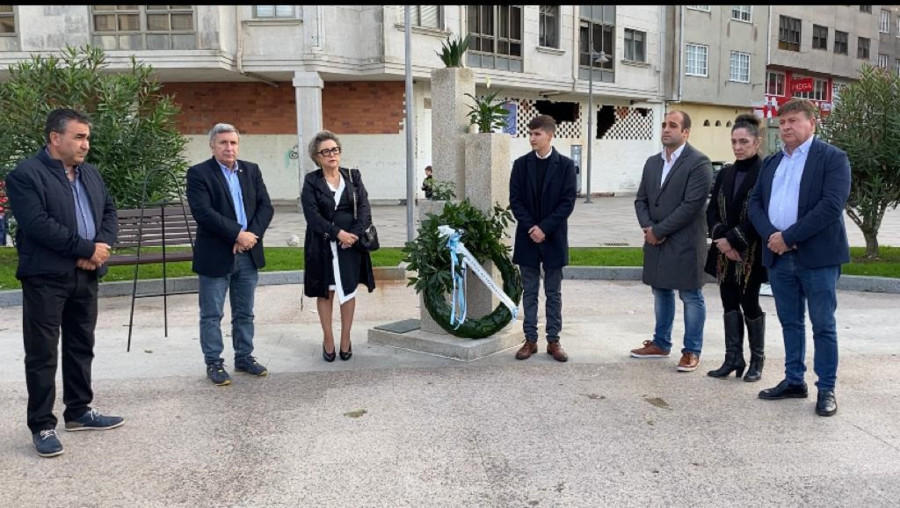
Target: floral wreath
x=429, y=256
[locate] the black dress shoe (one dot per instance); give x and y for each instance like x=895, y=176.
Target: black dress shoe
x=826, y=404
x=329, y=357
x=785, y=390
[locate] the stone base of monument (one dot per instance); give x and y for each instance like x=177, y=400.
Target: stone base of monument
x=407, y=334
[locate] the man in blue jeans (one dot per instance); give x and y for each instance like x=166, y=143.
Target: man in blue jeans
x=670, y=206
x=798, y=206
x=231, y=205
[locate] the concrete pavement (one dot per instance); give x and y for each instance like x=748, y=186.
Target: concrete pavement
x=396, y=428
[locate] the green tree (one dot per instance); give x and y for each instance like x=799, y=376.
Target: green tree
x=865, y=123
x=133, y=131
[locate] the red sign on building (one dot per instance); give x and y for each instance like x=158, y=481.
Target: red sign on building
x=802, y=85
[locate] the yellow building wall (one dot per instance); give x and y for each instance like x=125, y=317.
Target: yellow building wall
x=711, y=128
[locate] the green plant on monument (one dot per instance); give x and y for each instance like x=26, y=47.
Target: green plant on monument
x=443, y=191
x=487, y=114
x=133, y=130
x=429, y=256
x=453, y=51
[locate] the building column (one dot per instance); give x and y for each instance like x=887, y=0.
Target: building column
x=308, y=94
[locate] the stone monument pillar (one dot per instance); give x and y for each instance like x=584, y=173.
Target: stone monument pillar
x=308, y=94
x=488, y=168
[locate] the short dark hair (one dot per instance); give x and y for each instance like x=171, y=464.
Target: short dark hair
x=749, y=122
x=796, y=104
x=59, y=119
x=543, y=122
x=685, y=118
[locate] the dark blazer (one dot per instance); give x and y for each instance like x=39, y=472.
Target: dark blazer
x=675, y=212
x=557, y=202
x=47, y=236
x=217, y=226
x=819, y=233
x=318, y=204
x=727, y=217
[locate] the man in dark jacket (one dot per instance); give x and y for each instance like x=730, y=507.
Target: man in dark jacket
x=798, y=206
x=670, y=206
x=67, y=222
x=231, y=205
x=542, y=192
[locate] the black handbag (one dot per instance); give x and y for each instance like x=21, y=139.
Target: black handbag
x=369, y=239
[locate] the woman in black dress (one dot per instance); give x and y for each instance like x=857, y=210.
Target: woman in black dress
x=735, y=256
x=336, y=207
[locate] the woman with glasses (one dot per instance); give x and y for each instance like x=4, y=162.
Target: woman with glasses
x=735, y=256
x=336, y=207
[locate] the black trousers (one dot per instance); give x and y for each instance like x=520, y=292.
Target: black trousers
x=735, y=299
x=51, y=303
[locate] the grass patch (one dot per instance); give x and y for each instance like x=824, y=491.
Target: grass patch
x=887, y=265
x=280, y=259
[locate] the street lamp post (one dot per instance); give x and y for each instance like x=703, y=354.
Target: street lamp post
x=599, y=57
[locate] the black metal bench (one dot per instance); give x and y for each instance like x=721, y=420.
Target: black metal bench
x=161, y=227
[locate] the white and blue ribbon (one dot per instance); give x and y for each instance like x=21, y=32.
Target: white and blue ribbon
x=458, y=297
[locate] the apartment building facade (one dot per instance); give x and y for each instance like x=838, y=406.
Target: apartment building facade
x=281, y=73
x=719, y=61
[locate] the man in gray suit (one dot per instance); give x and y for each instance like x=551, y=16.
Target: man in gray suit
x=670, y=206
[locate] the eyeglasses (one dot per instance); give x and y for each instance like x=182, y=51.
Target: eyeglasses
x=334, y=151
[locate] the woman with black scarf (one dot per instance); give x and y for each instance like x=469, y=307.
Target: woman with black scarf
x=735, y=256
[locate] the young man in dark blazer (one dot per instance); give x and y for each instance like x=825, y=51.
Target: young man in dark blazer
x=542, y=192
x=798, y=206
x=231, y=205
x=670, y=206
x=67, y=222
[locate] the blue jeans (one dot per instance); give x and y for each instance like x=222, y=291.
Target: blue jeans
x=531, y=282
x=794, y=288
x=694, y=318
x=241, y=286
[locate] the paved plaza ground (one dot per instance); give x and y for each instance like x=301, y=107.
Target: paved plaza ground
x=394, y=428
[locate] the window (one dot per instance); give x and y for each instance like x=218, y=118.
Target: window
x=273, y=11
x=836, y=89
x=695, y=61
x=883, y=61
x=897, y=66
x=7, y=20
x=597, y=29
x=788, y=33
x=635, y=45
x=495, y=33
x=549, y=26
x=428, y=16
x=704, y=8
x=862, y=48
x=840, y=42
x=154, y=27
x=775, y=84
x=741, y=12
x=865, y=8
x=740, y=67
x=884, y=23
x=820, y=37
x=818, y=93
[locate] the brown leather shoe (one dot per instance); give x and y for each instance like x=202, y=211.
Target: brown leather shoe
x=650, y=350
x=689, y=362
x=555, y=350
x=528, y=348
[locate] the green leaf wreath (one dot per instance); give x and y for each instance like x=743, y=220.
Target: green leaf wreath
x=429, y=257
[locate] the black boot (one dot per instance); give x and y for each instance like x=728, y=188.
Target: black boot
x=734, y=346
x=756, y=336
